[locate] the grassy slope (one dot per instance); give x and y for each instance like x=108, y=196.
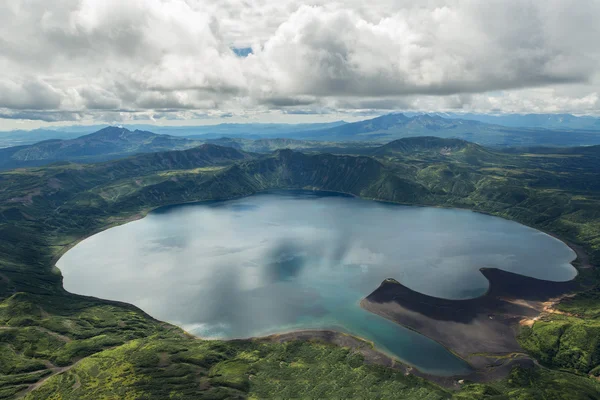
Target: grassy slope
x=44, y=211
x=156, y=368
x=569, y=338
x=534, y=384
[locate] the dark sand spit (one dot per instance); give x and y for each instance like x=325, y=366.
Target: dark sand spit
x=481, y=330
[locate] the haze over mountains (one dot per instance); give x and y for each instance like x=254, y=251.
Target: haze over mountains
x=546, y=121
x=338, y=137
x=117, y=142
x=394, y=126
x=248, y=131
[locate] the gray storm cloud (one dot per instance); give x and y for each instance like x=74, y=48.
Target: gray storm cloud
x=95, y=57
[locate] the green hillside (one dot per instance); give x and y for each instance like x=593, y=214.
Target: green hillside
x=105, y=144
x=270, y=145
x=71, y=347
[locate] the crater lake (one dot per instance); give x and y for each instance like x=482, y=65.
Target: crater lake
x=294, y=260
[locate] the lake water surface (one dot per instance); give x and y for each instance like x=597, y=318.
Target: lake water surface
x=285, y=261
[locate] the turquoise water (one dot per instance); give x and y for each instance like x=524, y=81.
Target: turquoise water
x=286, y=261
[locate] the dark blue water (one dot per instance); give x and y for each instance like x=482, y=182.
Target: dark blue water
x=286, y=261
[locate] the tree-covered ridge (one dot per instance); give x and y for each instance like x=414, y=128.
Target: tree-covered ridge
x=44, y=211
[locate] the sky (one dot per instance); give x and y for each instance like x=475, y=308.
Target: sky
x=185, y=62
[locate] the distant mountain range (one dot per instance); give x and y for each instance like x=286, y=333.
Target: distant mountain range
x=394, y=126
x=117, y=142
x=203, y=132
x=545, y=121
x=340, y=137
x=106, y=144
x=384, y=127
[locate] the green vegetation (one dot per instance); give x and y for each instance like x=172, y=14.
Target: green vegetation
x=569, y=339
x=564, y=342
x=157, y=368
x=90, y=348
x=533, y=384
x=108, y=143
x=584, y=305
x=117, y=142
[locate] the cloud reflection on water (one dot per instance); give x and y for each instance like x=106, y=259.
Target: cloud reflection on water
x=286, y=261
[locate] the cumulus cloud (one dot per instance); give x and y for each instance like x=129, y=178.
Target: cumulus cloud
x=154, y=57
x=468, y=48
x=29, y=93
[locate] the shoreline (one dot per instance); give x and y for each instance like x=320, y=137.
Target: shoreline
x=581, y=259
x=366, y=348
x=482, y=330
x=316, y=333
x=581, y=256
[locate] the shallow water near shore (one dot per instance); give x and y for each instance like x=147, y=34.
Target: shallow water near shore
x=283, y=261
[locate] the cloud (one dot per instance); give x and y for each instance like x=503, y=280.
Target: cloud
x=97, y=98
x=32, y=93
x=289, y=101
x=110, y=57
x=304, y=112
x=428, y=52
x=46, y=116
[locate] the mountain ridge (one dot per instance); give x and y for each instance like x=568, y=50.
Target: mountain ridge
x=356, y=137
x=534, y=120
x=397, y=125
x=107, y=143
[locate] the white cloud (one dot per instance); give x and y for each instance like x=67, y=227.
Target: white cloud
x=151, y=57
x=29, y=92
